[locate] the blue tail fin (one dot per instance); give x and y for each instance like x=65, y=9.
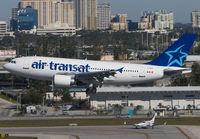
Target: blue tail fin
x=176, y=54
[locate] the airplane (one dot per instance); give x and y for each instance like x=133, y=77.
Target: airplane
x=89, y=74
x=146, y=124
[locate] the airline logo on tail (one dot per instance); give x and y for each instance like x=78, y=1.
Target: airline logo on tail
x=177, y=56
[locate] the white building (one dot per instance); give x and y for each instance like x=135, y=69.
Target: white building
x=75, y=95
x=103, y=16
x=193, y=58
x=147, y=97
x=4, y=54
x=164, y=20
x=3, y=29
x=158, y=20
x=146, y=20
x=119, y=22
x=118, y=26
x=57, y=29
x=195, y=19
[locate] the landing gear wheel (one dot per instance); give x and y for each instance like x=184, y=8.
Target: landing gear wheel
x=28, y=82
x=92, y=90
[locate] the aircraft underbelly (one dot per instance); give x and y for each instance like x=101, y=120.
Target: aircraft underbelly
x=127, y=79
x=118, y=79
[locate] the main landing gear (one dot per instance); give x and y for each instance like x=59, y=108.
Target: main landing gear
x=91, y=89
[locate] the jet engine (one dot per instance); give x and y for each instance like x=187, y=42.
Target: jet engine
x=64, y=81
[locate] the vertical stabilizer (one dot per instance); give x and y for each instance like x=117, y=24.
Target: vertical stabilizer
x=153, y=119
x=176, y=54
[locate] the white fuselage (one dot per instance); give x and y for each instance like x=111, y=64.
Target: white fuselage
x=44, y=68
x=145, y=124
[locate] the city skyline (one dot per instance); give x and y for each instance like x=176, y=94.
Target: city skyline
x=181, y=9
x=51, y=12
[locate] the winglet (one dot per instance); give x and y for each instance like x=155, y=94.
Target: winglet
x=120, y=70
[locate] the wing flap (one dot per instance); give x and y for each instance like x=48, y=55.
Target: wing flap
x=95, y=77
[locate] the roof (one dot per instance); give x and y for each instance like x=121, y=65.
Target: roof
x=192, y=58
x=149, y=89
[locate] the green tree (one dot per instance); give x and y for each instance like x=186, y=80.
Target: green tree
x=195, y=78
x=66, y=98
x=192, y=79
x=32, y=97
x=39, y=86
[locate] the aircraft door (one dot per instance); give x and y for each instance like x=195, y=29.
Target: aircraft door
x=25, y=65
x=142, y=73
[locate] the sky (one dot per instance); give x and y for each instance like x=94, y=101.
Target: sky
x=181, y=8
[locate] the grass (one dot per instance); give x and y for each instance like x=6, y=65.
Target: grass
x=97, y=122
x=12, y=137
x=8, y=98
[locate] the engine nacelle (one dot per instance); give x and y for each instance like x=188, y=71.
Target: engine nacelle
x=64, y=81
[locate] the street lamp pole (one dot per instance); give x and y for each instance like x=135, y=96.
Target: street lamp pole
x=20, y=100
x=43, y=104
x=17, y=104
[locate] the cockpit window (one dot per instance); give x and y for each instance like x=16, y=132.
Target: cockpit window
x=14, y=62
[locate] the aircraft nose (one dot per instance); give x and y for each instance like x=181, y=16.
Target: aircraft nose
x=6, y=66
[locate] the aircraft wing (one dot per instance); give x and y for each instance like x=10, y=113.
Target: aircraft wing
x=95, y=77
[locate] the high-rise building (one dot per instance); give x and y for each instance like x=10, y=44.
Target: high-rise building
x=92, y=16
x=103, y=16
x=119, y=22
x=195, y=19
x=67, y=12
x=81, y=13
x=157, y=20
x=27, y=18
x=121, y=18
x=164, y=20
x=14, y=13
x=13, y=20
x=51, y=11
x=86, y=14
x=3, y=29
x=146, y=20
